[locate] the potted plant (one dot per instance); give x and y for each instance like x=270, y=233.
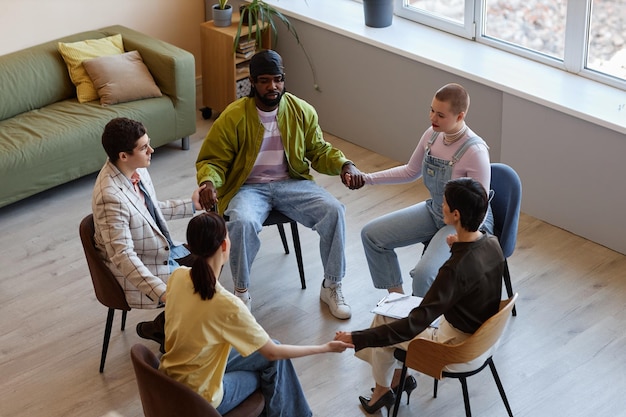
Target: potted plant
x=222, y=13
x=266, y=16
x=378, y=13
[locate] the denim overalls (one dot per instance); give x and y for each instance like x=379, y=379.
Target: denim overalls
x=437, y=172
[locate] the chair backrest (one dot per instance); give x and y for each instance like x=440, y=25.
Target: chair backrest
x=162, y=396
x=505, y=205
x=108, y=290
x=431, y=358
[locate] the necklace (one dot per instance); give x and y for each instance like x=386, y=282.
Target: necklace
x=449, y=139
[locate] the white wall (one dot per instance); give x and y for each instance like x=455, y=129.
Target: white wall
x=573, y=172
x=25, y=23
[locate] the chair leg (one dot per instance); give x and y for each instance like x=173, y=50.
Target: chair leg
x=400, y=390
x=468, y=411
x=492, y=366
x=283, y=237
x=507, y=284
x=123, y=320
x=435, y=385
x=298, y=249
x=107, y=337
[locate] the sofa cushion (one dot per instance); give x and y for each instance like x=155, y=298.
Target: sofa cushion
x=121, y=78
x=63, y=141
x=74, y=53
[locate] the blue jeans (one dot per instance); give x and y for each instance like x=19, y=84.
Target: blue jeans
x=302, y=200
x=408, y=226
x=278, y=381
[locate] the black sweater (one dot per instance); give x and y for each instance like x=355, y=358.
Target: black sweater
x=467, y=292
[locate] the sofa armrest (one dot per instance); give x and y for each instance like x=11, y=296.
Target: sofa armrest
x=173, y=70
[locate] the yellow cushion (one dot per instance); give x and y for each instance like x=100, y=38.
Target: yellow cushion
x=121, y=78
x=75, y=53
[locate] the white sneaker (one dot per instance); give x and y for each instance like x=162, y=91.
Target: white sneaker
x=334, y=298
x=245, y=298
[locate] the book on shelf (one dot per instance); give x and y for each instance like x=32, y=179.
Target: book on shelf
x=246, y=43
x=244, y=50
x=245, y=55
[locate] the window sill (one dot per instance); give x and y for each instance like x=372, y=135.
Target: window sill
x=577, y=96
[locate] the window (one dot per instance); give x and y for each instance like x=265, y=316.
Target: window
x=585, y=37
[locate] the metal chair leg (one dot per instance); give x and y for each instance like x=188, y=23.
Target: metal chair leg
x=298, y=249
x=123, y=320
x=283, y=237
x=468, y=411
x=507, y=284
x=400, y=390
x=492, y=366
x=107, y=337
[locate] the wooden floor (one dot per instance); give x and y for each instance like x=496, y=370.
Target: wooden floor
x=563, y=355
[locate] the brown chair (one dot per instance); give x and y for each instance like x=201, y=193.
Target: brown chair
x=162, y=396
x=108, y=290
x=279, y=219
x=441, y=360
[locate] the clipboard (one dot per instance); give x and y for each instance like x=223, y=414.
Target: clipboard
x=396, y=305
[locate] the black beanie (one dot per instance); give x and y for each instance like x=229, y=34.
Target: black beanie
x=266, y=62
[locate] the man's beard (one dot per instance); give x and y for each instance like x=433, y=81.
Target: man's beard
x=270, y=102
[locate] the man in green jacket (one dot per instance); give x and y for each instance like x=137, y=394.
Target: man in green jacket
x=256, y=157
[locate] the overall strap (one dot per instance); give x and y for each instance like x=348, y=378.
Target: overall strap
x=431, y=141
x=459, y=153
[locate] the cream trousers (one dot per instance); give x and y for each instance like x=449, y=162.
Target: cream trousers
x=381, y=358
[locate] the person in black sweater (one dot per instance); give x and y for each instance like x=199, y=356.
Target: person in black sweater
x=466, y=293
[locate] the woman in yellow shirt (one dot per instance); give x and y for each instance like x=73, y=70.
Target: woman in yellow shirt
x=205, y=321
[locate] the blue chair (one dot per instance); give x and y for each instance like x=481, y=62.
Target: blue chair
x=505, y=205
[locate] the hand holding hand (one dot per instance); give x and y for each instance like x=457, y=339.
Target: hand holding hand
x=338, y=346
x=195, y=197
x=351, y=177
x=345, y=337
x=208, y=195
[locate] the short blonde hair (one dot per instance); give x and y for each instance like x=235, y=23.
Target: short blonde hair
x=456, y=95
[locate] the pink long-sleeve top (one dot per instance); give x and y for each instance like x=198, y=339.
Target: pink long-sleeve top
x=474, y=163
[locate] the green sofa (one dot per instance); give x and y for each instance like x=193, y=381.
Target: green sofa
x=48, y=138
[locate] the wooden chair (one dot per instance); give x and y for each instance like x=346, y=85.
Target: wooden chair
x=108, y=290
x=441, y=360
x=162, y=396
x=506, y=204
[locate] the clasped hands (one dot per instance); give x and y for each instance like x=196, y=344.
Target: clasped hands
x=351, y=177
x=208, y=196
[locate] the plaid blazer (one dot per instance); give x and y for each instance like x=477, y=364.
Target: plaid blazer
x=128, y=238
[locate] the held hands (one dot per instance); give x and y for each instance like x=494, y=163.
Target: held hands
x=345, y=337
x=351, y=177
x=208, y=195
x=195, y=197
x=338, y=346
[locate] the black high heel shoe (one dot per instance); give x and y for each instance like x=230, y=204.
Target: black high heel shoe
x=409, y=386
x=386, y=401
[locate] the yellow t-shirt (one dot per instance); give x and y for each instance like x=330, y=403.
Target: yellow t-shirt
x=200, y=333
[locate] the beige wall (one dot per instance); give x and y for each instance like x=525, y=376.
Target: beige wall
x=25, y=23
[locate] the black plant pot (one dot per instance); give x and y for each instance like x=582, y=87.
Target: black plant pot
x=247, y=18
x=378, y=13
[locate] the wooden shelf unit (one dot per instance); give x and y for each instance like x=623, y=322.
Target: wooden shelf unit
x=219, y=62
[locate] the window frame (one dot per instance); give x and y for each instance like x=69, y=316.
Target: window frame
x=578, y=22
